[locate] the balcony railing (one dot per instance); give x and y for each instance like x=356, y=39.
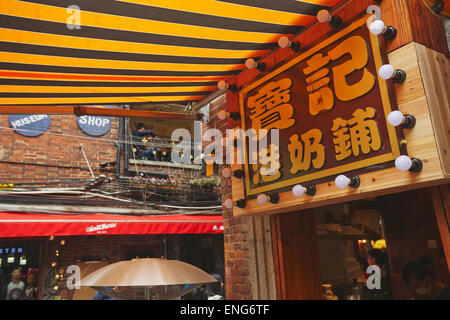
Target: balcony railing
x=162, y=156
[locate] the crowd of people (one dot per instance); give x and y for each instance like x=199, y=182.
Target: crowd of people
x=22, y=286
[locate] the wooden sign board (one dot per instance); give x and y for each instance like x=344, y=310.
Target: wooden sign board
x=330, y=106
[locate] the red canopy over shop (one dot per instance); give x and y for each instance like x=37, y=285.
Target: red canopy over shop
x=36, y=225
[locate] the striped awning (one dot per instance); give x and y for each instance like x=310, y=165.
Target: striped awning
x=135, y=51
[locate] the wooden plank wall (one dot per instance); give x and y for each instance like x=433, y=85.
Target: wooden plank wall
x=261, y=259
x=296, y=256
x=435, y=69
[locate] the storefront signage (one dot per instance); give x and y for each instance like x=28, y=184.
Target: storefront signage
x=29, y=125
x=330, y=107
x=101, y=228
x=94, y=125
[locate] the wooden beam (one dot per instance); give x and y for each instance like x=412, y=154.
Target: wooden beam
x=441, y=203
x=97, y=111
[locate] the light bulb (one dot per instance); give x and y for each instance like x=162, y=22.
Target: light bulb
x=298, y=190
x=342, y=181
x=403, y=163
x=228, y=203
x=377, y=27
x=386, y=71
x=222, y=85
x=284, y=42
x=395, y=118
x=251, y=63
x=323, y=16
x=226, y=172
x=222, y=115
x=262, y=199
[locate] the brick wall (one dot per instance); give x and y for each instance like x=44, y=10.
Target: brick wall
x=236, y=229
x=56, y=153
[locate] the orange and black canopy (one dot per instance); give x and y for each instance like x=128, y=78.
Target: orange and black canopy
x=136, y=51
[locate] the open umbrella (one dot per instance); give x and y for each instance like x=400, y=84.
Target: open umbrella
x=147, y=279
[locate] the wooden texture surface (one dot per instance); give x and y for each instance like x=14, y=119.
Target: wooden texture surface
x=441, y=204
x=435, y=68
x=420, y=142
x=296, y=257
x=261, y=259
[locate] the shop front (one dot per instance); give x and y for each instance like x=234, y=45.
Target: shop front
x=356, y=179
x=40, y=250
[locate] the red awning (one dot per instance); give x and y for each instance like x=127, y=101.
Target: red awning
x=38, y=225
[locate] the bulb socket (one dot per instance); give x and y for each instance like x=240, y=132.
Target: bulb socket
x=390, y=33
x=295, y=46
x=354, y=181
x=235, y=116
x=399, y=76
x=238, y=174
x=409, y=122
x=335, y=21
x=274, y=198
x=311, y=190
x=261, y=66
x=416, y=165
x=241, y=203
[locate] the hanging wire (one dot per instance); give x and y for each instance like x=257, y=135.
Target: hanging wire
x=120, y=190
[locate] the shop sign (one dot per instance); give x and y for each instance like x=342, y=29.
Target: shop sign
x=330, y=107
x=94, y=125
x=29, y=125
x=101, y=228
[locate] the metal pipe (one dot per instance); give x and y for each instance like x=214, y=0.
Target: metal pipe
x=126, y=145
x=119, y=147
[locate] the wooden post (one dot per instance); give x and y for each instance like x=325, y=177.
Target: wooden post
x=441, y=204
x=296, y=253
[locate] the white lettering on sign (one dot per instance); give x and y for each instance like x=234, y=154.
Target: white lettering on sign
x=94, y=121
x=102, y=226
x=28, y=120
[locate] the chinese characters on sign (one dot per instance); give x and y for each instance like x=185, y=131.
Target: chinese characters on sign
x=330, y=108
